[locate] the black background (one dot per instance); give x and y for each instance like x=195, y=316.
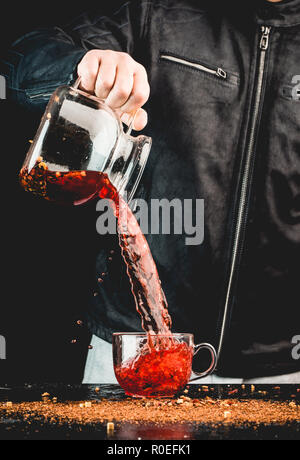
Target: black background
x=48, y=252
x=18, y=18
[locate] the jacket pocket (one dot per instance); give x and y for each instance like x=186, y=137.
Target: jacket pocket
x=41, y=93
x=208, y=70
x=35, y=98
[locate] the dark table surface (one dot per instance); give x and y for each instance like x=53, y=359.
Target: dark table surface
x=15, y=427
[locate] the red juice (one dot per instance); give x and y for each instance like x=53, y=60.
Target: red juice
x=78, y=187
x=68, y=188
x=162, y=369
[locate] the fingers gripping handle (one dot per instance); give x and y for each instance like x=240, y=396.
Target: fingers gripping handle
x=132, y=115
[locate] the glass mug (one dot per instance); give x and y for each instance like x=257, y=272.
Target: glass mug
x=158, y=366
x=81, y=143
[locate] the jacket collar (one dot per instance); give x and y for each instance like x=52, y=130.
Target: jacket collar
x=282, y=14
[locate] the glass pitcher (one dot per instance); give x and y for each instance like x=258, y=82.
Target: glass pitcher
x=80, y=145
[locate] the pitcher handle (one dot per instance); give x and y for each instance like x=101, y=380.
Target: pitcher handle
x=132, y=115
x=77, y=83
x=131, y=123
x=213, y=365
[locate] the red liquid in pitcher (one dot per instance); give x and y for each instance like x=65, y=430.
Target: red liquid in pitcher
x=70, y=188
x=165, y=368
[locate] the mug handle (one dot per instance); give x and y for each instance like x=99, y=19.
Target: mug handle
x=132, y=117
x=213, y=365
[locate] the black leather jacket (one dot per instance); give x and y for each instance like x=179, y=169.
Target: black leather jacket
x=225, y=117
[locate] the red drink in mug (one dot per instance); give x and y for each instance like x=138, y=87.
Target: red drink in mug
x=153, y=366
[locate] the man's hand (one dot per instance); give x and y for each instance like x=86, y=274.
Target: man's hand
x=118, y=79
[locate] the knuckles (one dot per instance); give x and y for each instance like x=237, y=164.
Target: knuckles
x=122, y=93
x=141, y=96
x=126, y=59
x=116, y=57
x=104, y=85
x=89, y=70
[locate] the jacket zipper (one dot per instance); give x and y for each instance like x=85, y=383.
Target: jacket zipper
x=246, y=180
x=220, y=73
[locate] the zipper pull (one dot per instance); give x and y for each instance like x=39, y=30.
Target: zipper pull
x=222, y=74
x=265, y=39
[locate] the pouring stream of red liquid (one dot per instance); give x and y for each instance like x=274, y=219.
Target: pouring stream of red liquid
x=163, y=366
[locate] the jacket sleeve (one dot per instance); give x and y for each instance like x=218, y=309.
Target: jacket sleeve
x=42, y=60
